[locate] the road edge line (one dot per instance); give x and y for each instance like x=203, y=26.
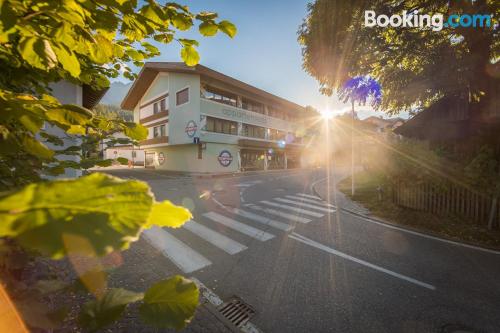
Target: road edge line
x=404, y=228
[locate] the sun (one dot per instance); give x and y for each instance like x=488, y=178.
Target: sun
x=326, y=114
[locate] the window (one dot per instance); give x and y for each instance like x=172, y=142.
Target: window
x=276, y=134
x=160, y=106
x=221, y=126
x=254, y=131
x=219, y=96
x=182, y=96
x=159, y=131
x=252, y=106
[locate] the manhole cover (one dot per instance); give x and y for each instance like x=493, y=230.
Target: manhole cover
x=236, y=311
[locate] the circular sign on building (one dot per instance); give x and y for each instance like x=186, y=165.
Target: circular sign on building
x=161, y=158
x=191, y=128
x=225, y=158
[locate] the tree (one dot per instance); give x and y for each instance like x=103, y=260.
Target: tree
x=85, y=43
x=359, y=89
x=415, y=66
x=113, y=112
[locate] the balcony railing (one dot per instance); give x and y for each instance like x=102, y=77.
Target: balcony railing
x=155, y=116
x=154, y=141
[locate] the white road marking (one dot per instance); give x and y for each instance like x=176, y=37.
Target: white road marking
x=309, y=196
x=390, y=226
x=179, y=253
x=271, y=211
x=325, y=248
x=310, y=201
x=303, y=204
x=295, y=209
x=416, y=233
x=219, y=240
x=263, y=220
x=238, y=226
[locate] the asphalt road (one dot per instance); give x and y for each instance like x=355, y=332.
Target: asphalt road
x=320, y=269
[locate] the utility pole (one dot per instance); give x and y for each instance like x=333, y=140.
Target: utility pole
x=352, y=147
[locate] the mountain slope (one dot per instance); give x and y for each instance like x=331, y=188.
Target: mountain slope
x=116, y=93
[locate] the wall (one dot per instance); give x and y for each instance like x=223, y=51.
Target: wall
x=66, y=93
x=158, y=87
x=180, y=116
x=109, y=153
x=185, y=158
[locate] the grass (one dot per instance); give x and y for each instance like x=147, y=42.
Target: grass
x=451, y=227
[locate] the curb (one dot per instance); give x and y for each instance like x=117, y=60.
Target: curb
x=244, y=173
x=414, y=230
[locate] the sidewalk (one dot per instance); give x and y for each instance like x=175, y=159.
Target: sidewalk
x=140, y=267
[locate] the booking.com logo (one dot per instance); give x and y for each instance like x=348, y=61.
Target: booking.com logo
x=435, y=21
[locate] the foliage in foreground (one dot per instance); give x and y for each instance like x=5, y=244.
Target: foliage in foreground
x=84, y=43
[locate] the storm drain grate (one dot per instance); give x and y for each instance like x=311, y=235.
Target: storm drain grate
x=236, y=311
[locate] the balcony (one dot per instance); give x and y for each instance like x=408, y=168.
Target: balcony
x=229, y=112
x=155, y=116
x=154, y=141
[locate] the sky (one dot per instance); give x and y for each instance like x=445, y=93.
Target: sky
x=265, y=52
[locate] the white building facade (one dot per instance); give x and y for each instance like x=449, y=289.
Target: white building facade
x=200, y=120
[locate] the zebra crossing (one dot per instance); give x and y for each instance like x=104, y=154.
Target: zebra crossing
x=251, y=223
x=249, y=183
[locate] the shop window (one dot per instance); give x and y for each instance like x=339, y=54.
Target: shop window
x=182, y=96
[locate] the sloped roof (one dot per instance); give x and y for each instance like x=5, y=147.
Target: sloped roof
x=151, y=69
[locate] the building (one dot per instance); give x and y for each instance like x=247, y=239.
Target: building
x=69, y=93
x=112, y=149
x=382, y=125
x=200, y=120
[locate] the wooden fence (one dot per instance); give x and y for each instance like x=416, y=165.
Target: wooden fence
x=451, y=199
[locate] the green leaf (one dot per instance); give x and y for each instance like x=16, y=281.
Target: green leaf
x=170, y=303
x=135, y=131
x=37, y=52
x=36, y=148
x=98, y=313
x=208, y=28
x=98, y=213
x=207, y=16
x=228, y=28
x=182, y=21
x=68, y=60
x=190, y=56
x=166, y=214
x=69, y=115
